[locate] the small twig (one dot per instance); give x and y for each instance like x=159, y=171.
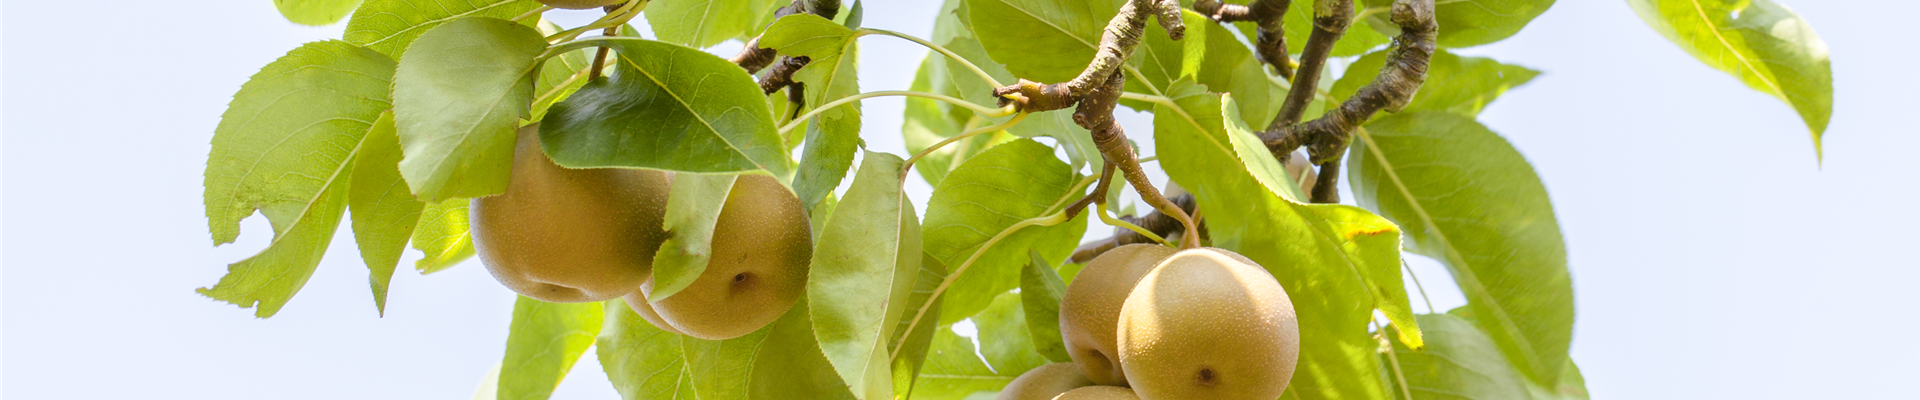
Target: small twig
x=963, y=136
x=1327, y=30
x=1096, y=114
x=1327, y=137
x=1267, y=15
x=1099, y=193
x=989, y=112
x=754, y=58
x=1117, y=42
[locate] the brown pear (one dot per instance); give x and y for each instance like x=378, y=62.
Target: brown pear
x=1300, y=170
x=1045, y=382
x=1208, y=323
x=762, y=246
x=1099, y=393
x=570, y=235
x=1090, y=309
x=581, y=4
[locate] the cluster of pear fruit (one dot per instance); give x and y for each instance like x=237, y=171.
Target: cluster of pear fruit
x=1147, y=321
x=581, y=235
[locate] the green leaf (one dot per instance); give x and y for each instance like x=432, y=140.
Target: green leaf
x=1228, y=66
x=559, y=77
x=1339, y=263
x=912, y=337
x=1066, y=32
x=953, y=369
x=992, y=192
x=1040, y=291
x=833, y=74
x=1461, y=85
x=1468, y=199
x=1460, y=362
x=389, y=26
x=806, y=35
x=703, y=23
x=315, y=12
x=864, y=265
x=459, y=95
x=442, y=236
x=1468, y=23
x=666, y=107
x=1760, y=42
x=285, y=147
x=544, y=341
x=642, y=361
x=1572, y=386
x=693, y=207
x=926, y=122
x=384, y=212
x=779, y=361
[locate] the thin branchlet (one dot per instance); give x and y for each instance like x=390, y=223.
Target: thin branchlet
x=1117, y=41
x=1099, y=193
x=1095, y=113
x=1327, y=137
x=1327, y=30
x=1268, y=15
x=754, y=58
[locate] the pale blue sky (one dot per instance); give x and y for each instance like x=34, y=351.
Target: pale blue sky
x=1712, y=256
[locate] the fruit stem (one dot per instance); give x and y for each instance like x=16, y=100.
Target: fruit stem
x=963, y=136
x=530, y=14
x=1102, y=210
x=613, y=19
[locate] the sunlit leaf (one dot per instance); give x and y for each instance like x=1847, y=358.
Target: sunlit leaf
x=315, y=12
x=389, y=26
x=864, y=267
x=1228, y=66
x=1465, y=197
x=694, y=202
x=703, y=23
x=384, y=212
x=442, y=236
x=543, y=342
x=1462, y=85
x=833, y=74
x=459, y=95
x=285, y=147
x=1760, y=42
x=666, y=107
x=992, y=192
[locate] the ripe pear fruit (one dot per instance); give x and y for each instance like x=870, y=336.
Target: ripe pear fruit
x=1090, y=309
x=581, y=4
x=762, y=246
x=1045, y=382
x=1208, y=323
x=640, y=306
x=1099, y=393
x=570, y=235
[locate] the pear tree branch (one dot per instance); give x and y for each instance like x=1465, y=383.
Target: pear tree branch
x=1121, y=36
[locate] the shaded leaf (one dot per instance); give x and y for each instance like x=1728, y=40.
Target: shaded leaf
x=1228, y=66
x=694, y=202
x=864, y=266
x=285, y=147
x=1465, y=197
x=779, y=361
x=642, y=361
x=1040, y=291
x=666, y=107
x=992, y=192
x=1460, y=362
x=384, y=212
x=459, y=95
x=389, y=26
x=1760, y=42
x=1339, y=263
x=910, y=340
x=543, y=342
x=956, y=370
x=833, y=74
